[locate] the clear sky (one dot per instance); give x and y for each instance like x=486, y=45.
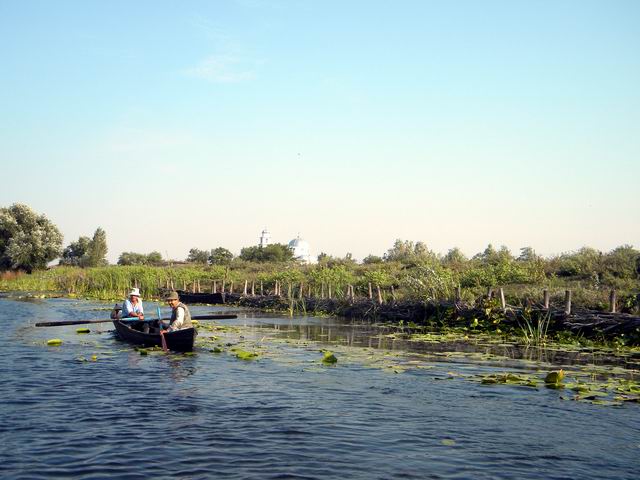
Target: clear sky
x=175, y=125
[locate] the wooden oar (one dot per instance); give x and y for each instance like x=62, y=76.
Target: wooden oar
x=82, y=322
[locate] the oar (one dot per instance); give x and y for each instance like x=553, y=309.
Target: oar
x=82, y=322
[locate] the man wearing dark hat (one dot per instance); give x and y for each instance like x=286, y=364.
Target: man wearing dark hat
x=180, y=316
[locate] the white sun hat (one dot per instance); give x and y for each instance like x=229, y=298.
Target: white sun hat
x=134, y=292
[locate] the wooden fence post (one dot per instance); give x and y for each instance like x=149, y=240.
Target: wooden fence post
x=246, y=284
x=370, y=292
x=567, y=302
x=261, y=288
x=379, y=294
x=253, y=288
x=199, y=291
x=231, y=287
x=612, y=301
x=223, y=285
x=503, y=303
x=329, y=290
x=214, y=287
x=545, y=299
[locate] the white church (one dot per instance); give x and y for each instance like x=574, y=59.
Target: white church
x=301, y=249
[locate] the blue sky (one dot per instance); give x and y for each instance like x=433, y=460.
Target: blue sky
x=175, y=125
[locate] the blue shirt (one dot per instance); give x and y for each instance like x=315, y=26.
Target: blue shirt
x=128, y=308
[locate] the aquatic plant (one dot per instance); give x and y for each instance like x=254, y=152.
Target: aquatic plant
x=534, y=327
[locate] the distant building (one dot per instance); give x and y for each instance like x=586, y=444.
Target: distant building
x=301, y=249
x=265, y=238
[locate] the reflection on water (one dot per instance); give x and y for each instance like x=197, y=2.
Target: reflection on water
x=213, y=416
x=399, y=339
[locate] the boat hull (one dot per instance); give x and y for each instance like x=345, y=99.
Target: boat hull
x=208, y=298
x=178, y=341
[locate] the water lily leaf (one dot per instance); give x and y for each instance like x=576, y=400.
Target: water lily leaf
x=329, y=357
x=554, y=377
x=244, y=355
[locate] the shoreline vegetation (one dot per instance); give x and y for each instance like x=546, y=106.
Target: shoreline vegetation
x=586, y=294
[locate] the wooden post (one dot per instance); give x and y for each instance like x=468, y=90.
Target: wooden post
x=289, y=287
x=489, y=293
x=246, y=284
x=214, y=287
x=231, y=287
x=167, y=284
x=458, y=293
x=223, y=285
x=329, y=289
x=370, y=292
x=309, y=290
x=567, y=302
x=393, y=294
x=193, y=287
x=612, y=301
x=172, y=287
x=184, y=285
x=322, y=290
x=379, y=294
x=545, y=299
x=503, y=304
x=199, y=291
x=261, y=288
x=253, y=288
x=275, y=289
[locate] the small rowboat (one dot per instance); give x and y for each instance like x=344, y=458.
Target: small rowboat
x=178, y=341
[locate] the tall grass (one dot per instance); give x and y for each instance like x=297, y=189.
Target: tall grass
x=534, y=327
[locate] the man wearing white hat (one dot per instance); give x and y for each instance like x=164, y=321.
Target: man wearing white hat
x=132, y=306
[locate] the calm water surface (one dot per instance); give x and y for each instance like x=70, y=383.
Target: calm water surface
x=214, y=416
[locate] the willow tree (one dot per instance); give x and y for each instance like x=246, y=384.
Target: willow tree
x=28, y=241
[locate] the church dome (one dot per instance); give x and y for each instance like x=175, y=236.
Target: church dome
x=301, y=249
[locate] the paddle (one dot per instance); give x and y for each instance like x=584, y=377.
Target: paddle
x=134, y=319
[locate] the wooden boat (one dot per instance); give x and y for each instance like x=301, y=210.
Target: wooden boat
x=208, y=298
x=178, y=341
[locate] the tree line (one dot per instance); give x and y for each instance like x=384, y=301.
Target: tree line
x=29, y=241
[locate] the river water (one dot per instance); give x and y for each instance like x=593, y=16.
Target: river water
x=284, y=415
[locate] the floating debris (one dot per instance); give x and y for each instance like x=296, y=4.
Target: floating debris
x=82, y=330
x=54, y=342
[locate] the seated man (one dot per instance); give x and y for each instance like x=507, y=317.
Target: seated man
x=132, y=308
x=180, y=315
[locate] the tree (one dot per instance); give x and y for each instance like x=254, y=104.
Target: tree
x=220, y=256
x=97, y=250
x=27, y=240
x=455, y=259
x=132, y=258
x=155, y=259
x=75, y=252
x=198, y=256
x=527, y=254
x=276, y=252
x=371, y=259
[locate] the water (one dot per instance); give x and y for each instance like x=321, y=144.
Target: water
x=214, y=416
